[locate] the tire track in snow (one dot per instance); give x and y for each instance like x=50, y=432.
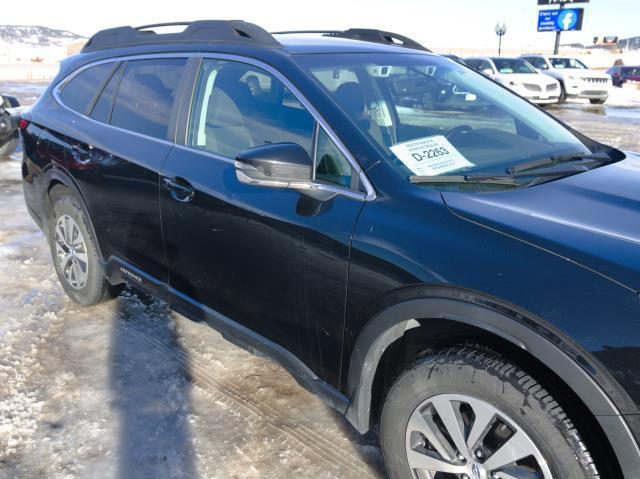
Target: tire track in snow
x=308, y=439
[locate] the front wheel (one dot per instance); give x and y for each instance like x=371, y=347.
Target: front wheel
x=597, y=101
x=563, y=95
x=469, y=414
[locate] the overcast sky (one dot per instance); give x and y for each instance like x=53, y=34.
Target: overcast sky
x=455, y=23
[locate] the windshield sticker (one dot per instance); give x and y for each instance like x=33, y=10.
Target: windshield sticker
x=430, y=156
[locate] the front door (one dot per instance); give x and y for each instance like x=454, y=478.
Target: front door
x=272, y=259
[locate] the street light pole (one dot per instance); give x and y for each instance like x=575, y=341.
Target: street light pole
x=500, y=31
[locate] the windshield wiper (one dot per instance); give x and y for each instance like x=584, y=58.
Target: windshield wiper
x=556, y=159
x=538, y=168
x=490, y=180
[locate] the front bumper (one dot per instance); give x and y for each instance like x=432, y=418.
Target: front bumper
x=588, y=90
x=539, y=97
x=543, y=101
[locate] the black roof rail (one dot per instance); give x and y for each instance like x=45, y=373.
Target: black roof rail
x=199, y=31
x=365, y=35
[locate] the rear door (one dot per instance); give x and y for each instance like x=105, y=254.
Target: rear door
x=272, y=259
x=116, y=159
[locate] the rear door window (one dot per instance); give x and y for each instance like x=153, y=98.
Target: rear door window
x=147, y=94
x=102, y=109
x=80, y=91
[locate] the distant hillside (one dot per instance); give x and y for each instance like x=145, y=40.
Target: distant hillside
x=35, y=36
x=35, y=44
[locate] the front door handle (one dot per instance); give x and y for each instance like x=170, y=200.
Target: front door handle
x=179, y=189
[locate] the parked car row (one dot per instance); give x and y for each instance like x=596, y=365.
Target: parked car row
x=546, y=79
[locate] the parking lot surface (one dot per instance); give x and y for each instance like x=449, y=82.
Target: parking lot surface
x=131, y=389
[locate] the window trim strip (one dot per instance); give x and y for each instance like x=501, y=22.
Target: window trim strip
x=370, y=194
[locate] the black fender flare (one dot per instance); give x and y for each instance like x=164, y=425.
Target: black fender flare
x=58, y=175
x=542, y=340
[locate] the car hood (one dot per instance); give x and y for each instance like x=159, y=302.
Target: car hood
x=592, y=218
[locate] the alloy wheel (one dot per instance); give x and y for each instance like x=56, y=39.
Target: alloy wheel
x=456, y=436
x=71, y=252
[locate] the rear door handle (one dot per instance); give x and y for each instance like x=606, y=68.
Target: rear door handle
x=180, y=189
x=81, y=155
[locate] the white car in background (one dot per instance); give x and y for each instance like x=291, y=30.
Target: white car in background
x=519, y=76
x=576, y=79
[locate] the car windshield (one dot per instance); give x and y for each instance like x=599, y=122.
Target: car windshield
x=568, y=63
x=631, y=71
x=432, y=116
x=512, y=65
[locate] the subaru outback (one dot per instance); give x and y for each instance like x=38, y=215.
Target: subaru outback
x=445, y=264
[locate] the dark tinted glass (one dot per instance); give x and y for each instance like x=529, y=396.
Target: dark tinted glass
x=102, y=108
x=239, y=106
x=146, y=95
x=78, y=93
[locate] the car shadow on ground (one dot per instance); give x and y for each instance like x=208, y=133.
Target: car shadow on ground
x=150, y=390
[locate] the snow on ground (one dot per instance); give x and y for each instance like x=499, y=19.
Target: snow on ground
x=626, y=97
x=131, y=389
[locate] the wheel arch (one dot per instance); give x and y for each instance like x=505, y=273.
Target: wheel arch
x=520, y=329
x=54, y=177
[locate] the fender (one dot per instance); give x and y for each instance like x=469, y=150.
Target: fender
x=57, y=174
x=542, y=340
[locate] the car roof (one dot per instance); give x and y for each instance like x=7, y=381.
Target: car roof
x=306, y=44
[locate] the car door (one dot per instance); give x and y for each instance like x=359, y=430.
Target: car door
x=272, y=259
x=117, y=161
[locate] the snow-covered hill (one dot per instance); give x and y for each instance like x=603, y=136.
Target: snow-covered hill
x=32, y=43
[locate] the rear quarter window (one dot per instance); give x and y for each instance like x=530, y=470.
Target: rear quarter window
x=80, y=91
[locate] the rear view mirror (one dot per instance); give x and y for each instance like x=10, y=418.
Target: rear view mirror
x=408, y=86
x=275, y=165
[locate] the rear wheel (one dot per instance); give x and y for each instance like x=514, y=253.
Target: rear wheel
x=597, y=101
x=75, y=252
x=469, y=414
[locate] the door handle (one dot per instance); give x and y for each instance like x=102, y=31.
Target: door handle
x=179, y=189
x=81, y=155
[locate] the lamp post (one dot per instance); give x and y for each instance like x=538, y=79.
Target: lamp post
x=500, y=31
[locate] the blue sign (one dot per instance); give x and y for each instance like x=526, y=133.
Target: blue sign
x=566, y=19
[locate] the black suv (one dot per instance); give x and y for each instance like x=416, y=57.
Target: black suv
x=441, y=261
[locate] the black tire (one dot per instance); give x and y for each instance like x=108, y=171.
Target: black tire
x=487, y=377
x=8, y=148
x=597, y=101
x=96, y=289
x=563, y=95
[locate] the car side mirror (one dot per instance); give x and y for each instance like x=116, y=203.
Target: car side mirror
x=488, y=71
x=276, y=165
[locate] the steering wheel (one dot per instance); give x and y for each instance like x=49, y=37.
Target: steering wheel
x=457, y=130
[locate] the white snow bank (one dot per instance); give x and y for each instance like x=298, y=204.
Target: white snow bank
x=626, y=97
